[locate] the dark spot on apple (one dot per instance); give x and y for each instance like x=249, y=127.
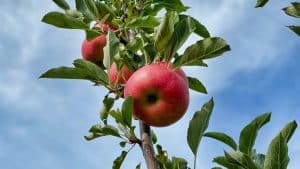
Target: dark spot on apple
x=151, y=98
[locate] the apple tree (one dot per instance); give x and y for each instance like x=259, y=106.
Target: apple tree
x=131, y=50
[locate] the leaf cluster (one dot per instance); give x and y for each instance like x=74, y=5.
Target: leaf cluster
x=244, y=156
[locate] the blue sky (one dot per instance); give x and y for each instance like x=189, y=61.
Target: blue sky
x=43, y=121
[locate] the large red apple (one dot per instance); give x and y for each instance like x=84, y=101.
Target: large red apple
x=160, y=93
x=93, y=50
x=121, y=77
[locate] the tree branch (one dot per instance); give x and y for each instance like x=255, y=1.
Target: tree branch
x=147, y=146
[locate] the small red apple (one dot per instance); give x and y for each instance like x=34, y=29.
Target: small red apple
x=119, y=77
x=93, y=50
x=160, y=93
x=106, y=25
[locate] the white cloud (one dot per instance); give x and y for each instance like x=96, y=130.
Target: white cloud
x=255, y=39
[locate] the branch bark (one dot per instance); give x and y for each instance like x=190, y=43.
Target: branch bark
x=147, y=146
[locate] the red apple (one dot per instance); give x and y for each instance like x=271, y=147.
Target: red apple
x=93, y=50
x=119, y=77
x=106, y=25
x=160, y=93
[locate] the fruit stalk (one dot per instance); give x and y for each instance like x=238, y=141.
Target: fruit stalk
x=147, y=146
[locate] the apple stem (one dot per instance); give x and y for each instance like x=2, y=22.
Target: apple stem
x=147, y=146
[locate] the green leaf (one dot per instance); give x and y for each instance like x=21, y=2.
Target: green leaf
x=98, y=131
x=138, y=166
x=111, y=48
x=182, y=31
x=196, y=85
x=74, y=13
x=295, y=29
x=198, y=62
x=119, y=160
x=261, y=3
x=62, y=3
x=288, y=130
x=64, y=21
x=104, y=9
x=81, y=5
x=179, y=163
x=153, y=137
x=277, y=155
x=91, y=34
x=203, y=49
x=293, y=10
x=224, y=162
x=110, y=130
x=223, y=138
x=241, y=159
x=216, y=168
x=122, y=144
x=135, y=45
x=91, y=5
x=117, y=116
x=83, y=70
x=143, y=22
x=171, y=5
x=127, y=110
x=249, y=133
x=108, y=103
x=198, y=125
x=200, y=29
x=162, y=157
x=165, y=30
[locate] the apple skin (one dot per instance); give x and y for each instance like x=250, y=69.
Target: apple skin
x=119, y=78
x=93, y=50
x=160, y=93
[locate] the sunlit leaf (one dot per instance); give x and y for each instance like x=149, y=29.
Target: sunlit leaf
x=277, y=155
x=203, y=49
x=127, y=111
x=165, y=30
x=249, y=133
x=111, y=48
x=81, y=5
x=223, y=161
x=223, y=138
x=64, y=21
x=182, y=31
x=62, y=3
x=143, y=22
x=293, y=10
x=241, y=159
x=200, y=29
x=83, y=70
x=288, y=130
x=171, y=5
